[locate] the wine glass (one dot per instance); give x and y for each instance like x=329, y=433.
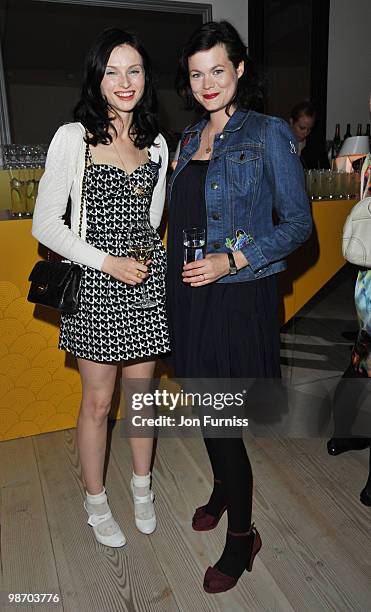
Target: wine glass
x=141, y=243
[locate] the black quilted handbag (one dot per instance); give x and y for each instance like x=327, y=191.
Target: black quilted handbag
x=58, y=284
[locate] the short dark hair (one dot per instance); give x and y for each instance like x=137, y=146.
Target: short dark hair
x=303, y=108
x=249, y=92
x=92, y=108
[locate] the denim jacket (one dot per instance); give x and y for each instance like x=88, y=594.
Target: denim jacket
x=254, y=169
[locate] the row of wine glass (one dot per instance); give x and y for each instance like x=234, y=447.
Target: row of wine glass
x=18, y=156
x=332, y=184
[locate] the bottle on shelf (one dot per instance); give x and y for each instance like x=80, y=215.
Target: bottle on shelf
x=368, y=134
x=347, y=133
x=359, y=129
x=336, y=144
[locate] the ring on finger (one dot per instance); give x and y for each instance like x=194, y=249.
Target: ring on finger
x=139, y=274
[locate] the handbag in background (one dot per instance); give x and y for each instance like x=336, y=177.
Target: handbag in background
x=357, y=235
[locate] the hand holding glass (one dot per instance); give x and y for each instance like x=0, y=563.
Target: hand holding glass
x=141, y=243
x=194, y=244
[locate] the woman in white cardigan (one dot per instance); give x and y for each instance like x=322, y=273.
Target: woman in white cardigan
x=116, y=156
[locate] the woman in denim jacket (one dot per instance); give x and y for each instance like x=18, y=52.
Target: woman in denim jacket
x=235, y=167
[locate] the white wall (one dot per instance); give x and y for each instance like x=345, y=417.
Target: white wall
x=235, y=11
x=349, y=73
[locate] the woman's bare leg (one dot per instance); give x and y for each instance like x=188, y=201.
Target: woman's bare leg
x=141, y=451
x=98, y=381
x=141, y=448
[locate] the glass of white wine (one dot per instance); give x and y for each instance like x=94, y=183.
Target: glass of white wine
x=140, y=245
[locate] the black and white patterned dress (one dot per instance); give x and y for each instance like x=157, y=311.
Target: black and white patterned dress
x=107, y=328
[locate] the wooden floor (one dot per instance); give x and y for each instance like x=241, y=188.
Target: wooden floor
x=316, y=552
x=316, y=534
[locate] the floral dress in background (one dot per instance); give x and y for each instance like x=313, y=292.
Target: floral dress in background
x=362, y=295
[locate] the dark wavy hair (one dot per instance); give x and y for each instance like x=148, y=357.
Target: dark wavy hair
x=92, y=110
x=249, y=93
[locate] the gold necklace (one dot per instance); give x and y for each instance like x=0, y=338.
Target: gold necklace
x=208, y=148
x=120, y=158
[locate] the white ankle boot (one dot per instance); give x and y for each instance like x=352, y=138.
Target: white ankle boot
x=105, y=528
x=145, y=517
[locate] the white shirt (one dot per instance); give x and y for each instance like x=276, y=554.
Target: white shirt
x=64, y=170
x=301, y=146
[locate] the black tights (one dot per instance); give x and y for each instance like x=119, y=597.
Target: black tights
x=230, y=464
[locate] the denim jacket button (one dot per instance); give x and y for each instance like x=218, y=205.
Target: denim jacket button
x=215, y=216
x=221, y=136
x=216, y=245
x=214, y=186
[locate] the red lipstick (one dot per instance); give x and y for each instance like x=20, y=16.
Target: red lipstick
x=210, y=96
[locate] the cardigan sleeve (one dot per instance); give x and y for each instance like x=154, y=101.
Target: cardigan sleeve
x=61, y=170
x=158, y=196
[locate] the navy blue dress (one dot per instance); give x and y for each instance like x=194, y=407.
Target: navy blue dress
x=220, y=330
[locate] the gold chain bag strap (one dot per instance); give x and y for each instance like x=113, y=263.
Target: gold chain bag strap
x=58, y=284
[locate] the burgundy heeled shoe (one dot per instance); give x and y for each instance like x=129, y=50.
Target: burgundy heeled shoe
x=203, y=521
x=217, y=582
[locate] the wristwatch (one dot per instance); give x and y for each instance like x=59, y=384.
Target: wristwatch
x=232, y=264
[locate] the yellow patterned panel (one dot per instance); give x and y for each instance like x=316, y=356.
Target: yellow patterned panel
x=10, y=329
x=73, y=374
x=6, y=384
x=76, y=387
x=17, y=399
x=63, y=420
x=3, y=349
x=29, y=357
x=8, y=293
x=52, y=360
x=34, y=379
x=39, y=411
x=43, y=328
x=53, y=340
x=70, y=404
x=23, y=429
x=29, y=345
x=20, y=309
x=14, y=366
x=8, y=418
x=54, y=392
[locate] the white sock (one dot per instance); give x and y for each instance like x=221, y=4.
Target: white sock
x=142, y=488
x=98, y=504
x=99, y=501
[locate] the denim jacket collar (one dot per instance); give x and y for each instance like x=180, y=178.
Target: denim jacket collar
x=234, y=123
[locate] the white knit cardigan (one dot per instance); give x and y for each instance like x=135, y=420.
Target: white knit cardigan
x=64, y=170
